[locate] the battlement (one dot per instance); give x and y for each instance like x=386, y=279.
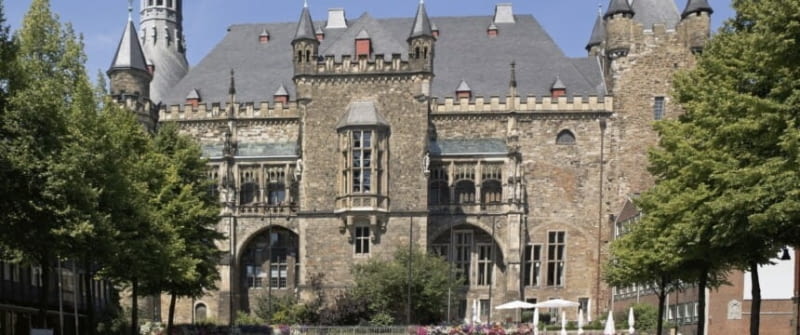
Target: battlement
x=365, y=65
x=217, y=111
x=527, y=104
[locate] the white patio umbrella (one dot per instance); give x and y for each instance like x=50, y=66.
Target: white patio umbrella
x=631, y=321
x=535, y=321
x=580, y=321
x=515, y=304
x=609, y=330
x=563, y=323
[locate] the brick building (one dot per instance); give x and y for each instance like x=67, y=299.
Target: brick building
x=340, y=140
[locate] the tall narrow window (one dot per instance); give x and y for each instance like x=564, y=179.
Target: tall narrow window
x=276, y=187
x=362, y=240
x=485, y=265
x=465, y=192
x=658, y=108
x=533, y=265
x=463, y=249
x=249, y=191
x=555, y=258
x=278, y=269
x=484, y=306
x=362, y=161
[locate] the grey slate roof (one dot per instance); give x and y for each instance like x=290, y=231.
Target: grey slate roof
x=695, y=6
x=463, y=52
x=305, y=26
x=421, y=25
x=129, y=53
x=362, y=113
x=468, y=146
x=617, y=7
x=650, y=12
x=598, y=33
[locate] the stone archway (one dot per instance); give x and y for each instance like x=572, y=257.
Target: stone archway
x=268, y=266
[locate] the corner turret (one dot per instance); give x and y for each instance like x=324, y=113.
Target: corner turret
x=163, y=44
x=305, y=44
x=130, y=78
x=695, y=26
x=619, y=27
x=421, y=41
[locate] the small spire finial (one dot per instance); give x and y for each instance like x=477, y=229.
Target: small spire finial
x=305, y=3
x=599, y=8
x=421, y=2
x=130, y=10
x=232, y=88
x=513, y=82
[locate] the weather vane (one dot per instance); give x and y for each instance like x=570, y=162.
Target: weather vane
x=130, y=9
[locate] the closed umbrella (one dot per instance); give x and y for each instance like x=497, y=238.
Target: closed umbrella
x=563, y=323
x=631, y=321
x=475, y=317
x=580, y=321
x=535, y=321
x=609, y=330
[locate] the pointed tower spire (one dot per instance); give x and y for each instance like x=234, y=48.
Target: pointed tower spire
x=696, y=6
x=305, y=26
x=129, y=55
x=598, y=32
x=619, y=7
x=422, y=24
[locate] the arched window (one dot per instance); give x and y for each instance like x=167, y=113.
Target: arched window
x=249, y=192
x=465, y=192
x=491, y=192
x=439, y=193
x=565, y=137
x=200, y=312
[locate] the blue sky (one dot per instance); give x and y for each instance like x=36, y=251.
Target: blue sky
x=569, y=22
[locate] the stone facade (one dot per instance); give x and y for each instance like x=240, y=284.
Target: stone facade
x=517, y=183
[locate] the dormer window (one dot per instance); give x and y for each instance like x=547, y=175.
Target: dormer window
x=463, y=91
x=492, y=30
x=363, y=44
x=263, y=38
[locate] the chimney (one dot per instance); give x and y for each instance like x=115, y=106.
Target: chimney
x=504, y=13
x=336, y=19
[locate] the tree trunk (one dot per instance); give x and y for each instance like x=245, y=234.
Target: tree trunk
x=755, y=307
x=662, y=298
x=701, y=301
x=87, y=283
x=172, y=299
x=44, y=292
x=134, y=307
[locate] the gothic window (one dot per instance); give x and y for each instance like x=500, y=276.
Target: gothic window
x=149, y=2
x=159, y=2
x=491, y=189
x=533, y=265
x=249, y=187
x=565, y=137
x=169, y=3
x=439, y=190
x=555, y=258
x=658, y=108
x=362, y=240
x=276, y=184
x=465, y=192
x=485, y=264
x=213, y=176
x=463, y=254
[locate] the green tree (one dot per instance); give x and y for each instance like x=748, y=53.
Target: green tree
x=385, y=285
x=727, y=169
x=184, y=203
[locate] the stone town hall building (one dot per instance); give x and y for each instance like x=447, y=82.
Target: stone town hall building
x=337, y=141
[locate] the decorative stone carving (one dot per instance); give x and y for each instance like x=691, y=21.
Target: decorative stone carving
x=734, y=310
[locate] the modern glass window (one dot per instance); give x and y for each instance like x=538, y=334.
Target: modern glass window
x=555, y=258
x=362, y=161
x=533, y=265
x=362, y=240
x=658, y=108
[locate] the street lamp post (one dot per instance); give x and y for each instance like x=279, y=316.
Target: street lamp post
x=410, y=258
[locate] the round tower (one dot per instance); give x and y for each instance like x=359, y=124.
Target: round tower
x=619, y=28
x=696, y=24
x=164, y=44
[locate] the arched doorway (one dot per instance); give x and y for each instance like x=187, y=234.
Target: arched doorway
x=269, y=266
x=477, y=260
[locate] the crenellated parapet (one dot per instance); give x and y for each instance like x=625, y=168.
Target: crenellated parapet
x=481, y=105
x=379, y=64
x=216, y=111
